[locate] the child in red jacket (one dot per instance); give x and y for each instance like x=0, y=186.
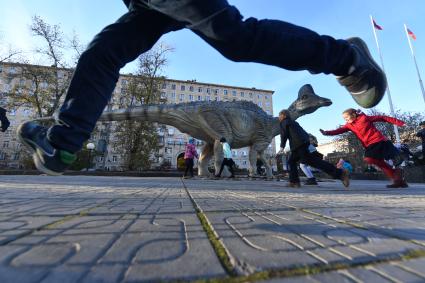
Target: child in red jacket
x=377, y=146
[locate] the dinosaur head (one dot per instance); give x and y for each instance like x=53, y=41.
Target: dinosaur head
x=307, y=101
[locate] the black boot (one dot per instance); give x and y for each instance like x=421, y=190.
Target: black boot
x=311, y=181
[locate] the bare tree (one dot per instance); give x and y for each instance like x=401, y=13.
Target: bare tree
x=139, y=140
x=53, y=41
x=41, y=87
x=76, y=45
x=8, y=53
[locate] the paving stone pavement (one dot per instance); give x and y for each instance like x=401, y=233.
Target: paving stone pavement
x=118, y=229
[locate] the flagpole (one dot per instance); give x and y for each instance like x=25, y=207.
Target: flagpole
x=397, y=136
x=416, y=64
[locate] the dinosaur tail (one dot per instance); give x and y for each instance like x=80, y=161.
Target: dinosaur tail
x=161, y=113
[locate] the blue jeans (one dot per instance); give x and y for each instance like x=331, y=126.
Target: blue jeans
x=269, y=42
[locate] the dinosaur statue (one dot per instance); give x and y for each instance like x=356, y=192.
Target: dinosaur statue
x=242, y=123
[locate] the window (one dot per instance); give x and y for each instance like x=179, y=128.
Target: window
x=114, y=158
x=234, y=92
x=199, y=89
x=216, y=91
x=258, y=96
x=173, y=86
x=225, y=91
x=173, y=95
x=168, y=150
x=191, y=97
x=266, y=97
x=242, y=94
x=13, y=70
x=217, y=98
x=182, y=87
x=208, y=98
x=15, y=156
x=260, y=104
x=208, y=90
x=199, y=98
x=163, y=95
x=267, y=104
x=191, y=88
x=181, y=97
x=164, y=86
x=6, y=144
x=250, y=95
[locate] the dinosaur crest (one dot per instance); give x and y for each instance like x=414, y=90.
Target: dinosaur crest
x=307, y=101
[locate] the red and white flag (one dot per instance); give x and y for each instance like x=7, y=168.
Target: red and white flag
x=411, y=34
x=375, y=25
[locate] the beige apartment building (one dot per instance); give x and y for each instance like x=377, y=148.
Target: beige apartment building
x=172, y=141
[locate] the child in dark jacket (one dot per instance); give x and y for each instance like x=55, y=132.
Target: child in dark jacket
x=299, y=141
x=377, y=147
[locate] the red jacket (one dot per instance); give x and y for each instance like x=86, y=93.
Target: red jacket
x=364, y=129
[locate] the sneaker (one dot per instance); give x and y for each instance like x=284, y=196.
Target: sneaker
x=365, y=81
x=399, y=180
x=345, y=178
x=311, y=182
x=46, y=158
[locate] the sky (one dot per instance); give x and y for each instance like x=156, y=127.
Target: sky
x=192, y=58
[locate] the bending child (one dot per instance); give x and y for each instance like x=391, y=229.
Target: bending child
x=298, y=143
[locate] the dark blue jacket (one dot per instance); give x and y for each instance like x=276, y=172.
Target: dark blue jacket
x=292, y=131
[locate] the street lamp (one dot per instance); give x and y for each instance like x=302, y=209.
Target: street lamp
x=90, y=146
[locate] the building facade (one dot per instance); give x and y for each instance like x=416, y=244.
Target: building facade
x=172, y=142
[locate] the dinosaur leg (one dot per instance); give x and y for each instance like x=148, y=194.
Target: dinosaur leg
x=218, y=159
x=252, y=161
x=204, y=159
x=266, y=163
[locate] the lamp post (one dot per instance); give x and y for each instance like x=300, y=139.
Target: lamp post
x=90, y=146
